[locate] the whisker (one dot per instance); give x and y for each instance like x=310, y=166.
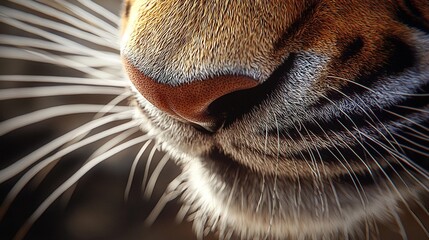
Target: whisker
x=399, y=194
x=26, y=161
x=263, y=175
x=113, y=18
x=88, y=16
x=33, y=92
x=20, y=184
x=416, y=133
x=298, y=197
x=372, y=90
x=368, y=115
x=64, y=16
x=399, y=223
x=133, y=169
x=351, y=134
x=274, y=195
x=27, y=42
x=170, y=194
x=320, y=184
x=72, y=180
x=56, y=26
x=113, y=103
x=45, y=57
x=392, y=143
x=79, y=48
x=412, y=108
x=155, y=174
x=349, y=169
x=414, y=143
x=63, y=79
x=228, y=202
x=184, y=209
x=398, y=161
x=103, y=148
x=51, y=112
x=403, y=159
x=148, y=163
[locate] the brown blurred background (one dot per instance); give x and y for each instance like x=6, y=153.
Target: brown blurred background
x=96, y=209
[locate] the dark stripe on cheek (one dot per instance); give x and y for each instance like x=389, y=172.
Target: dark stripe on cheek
x=412, y=17
x=411, y=7
x=397, y=58
x=295, y=26
x=352, y=49
x=401, y=56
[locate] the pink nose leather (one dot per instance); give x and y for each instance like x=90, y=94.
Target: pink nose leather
x=188, y=101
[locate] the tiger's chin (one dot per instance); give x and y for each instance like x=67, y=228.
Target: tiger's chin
x=222, y=195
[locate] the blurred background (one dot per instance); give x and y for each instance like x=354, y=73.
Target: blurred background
x=95, y=208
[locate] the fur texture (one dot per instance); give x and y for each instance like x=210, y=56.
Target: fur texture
x=335, y=140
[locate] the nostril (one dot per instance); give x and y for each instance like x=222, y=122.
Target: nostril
x=232, y=106
x=189, y=102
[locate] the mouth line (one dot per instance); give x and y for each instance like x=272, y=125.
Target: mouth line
x=366, y=178
x=224, y=162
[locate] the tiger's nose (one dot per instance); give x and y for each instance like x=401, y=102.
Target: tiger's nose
x=189, y=102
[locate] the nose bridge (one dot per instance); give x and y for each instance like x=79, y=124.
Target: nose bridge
x=177, y=42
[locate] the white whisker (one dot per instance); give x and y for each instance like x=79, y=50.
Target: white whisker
x=99, y=151
x=113, y=18
x=26, y=42
x=133, y=169
x=31, y=158
x=64, y=16
x=20, y=184
x=155, y=174
x=171, y=193
x=64, y=79
x=90, y=17
x=79, y=48
x=32, y=92
x=72, y=180
x=399, y=223
x=263, y=175
x=113, y=103
x=397, y=191
x=47, y=113
x=148, y=163
x=372, y=90
x=45, y=57
x=402, y=158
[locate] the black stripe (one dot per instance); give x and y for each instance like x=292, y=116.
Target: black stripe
x=412, y=17
x=298, y=24
x=398, y=57
x=414, y=11
x=376, y=147
x=351, y=49
x=414, y=156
